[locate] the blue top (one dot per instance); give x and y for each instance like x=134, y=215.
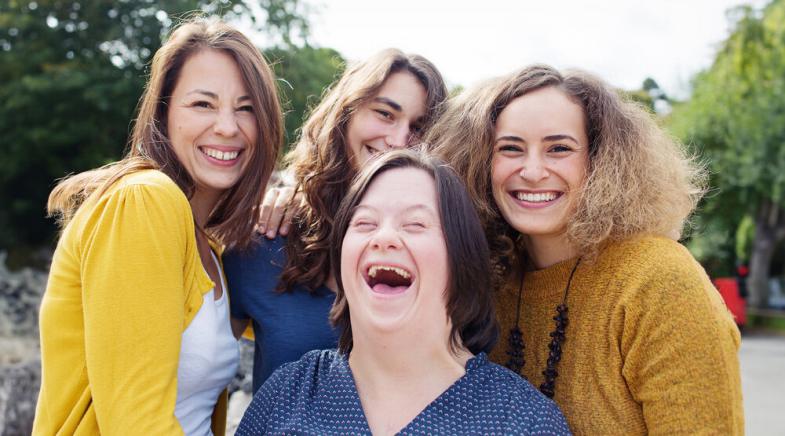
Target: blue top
x=317, y=395
x=286, y=325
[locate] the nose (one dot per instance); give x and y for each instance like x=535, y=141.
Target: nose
x=386, y=238
x=226, y=123
x=533, y=169
x=399, y=136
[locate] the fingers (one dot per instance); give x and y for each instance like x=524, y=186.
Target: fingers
x=295, y=205
x=267, y=209
x=282, y=201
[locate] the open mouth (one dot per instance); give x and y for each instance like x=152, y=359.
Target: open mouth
x=539, y=198
x=223, y=156
x=388, y=279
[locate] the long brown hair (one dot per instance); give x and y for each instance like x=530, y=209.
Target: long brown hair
x=323, y=166
x=640, y=180
x=469, y=301
x=232, y=219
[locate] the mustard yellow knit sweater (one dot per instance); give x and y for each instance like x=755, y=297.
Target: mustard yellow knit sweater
x=650, y=346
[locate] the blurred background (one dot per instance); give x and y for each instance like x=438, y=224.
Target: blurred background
x=712, y=71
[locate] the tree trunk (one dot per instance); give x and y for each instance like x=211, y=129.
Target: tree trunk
x=769, y=231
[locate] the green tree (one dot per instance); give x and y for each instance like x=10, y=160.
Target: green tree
x=71, y=73
x=304, y=73
x=736, y=119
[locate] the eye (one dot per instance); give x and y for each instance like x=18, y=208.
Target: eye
x=384, y=114
x=246, y=108
x=202, y=104
x=509, y=148
x=414, y=225
x=363, y=225
x=560, y=148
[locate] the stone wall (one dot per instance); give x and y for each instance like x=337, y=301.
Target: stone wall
x=20, y=365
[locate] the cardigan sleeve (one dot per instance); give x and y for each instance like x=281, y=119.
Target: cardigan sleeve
x=680, y=350
x=133, y=262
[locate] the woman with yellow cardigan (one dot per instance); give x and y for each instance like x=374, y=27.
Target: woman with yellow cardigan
x=583, y=199
x=135, y=331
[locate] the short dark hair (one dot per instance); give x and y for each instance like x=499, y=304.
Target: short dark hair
x=469, y=294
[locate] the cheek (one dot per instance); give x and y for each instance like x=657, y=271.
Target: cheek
x=500, y=169
x=350, y=258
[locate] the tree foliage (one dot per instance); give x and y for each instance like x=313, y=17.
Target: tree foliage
x=72, y=71
x=736, y=120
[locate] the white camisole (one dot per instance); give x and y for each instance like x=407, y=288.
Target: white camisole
x=209, y=357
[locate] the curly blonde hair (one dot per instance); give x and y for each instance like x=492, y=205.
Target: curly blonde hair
x=639, y=181
x=323, y=166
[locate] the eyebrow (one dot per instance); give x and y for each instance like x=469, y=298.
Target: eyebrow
x=549, y=138
x=389, y=102
x=408, y=209
x=215, y=96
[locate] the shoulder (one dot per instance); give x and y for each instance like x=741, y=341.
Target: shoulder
x=653, y=262
x=648, y=251
x=153, y=184
x=261, y=253
x=523, y=407
x=307, y=372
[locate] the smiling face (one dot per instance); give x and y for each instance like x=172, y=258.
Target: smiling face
x=394, y=265
x=391, y=119
x=539, y=164
x=211, y=123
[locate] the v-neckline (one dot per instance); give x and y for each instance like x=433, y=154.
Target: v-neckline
x=471, y=365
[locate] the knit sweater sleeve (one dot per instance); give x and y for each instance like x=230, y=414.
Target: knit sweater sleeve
x=680, y=348
x=132, y=263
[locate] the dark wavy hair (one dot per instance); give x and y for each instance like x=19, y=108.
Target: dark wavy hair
x=323, y=166
x=469, y=296
x=232, y=220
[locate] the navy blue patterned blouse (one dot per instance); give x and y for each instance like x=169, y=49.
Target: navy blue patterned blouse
x=317, y=395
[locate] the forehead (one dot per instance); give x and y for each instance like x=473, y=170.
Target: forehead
x=405, y=89
x=401, y=188
x=543, y=111
x=211, y=70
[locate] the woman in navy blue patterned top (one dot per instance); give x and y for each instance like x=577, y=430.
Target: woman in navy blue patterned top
x=416, y=316
x=284, y=285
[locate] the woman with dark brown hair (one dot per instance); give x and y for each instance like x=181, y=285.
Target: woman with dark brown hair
x=284, y=285
x=415, y=309
x=583, y=198
x=135, y=330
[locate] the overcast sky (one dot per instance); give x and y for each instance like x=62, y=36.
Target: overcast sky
x=624, y=41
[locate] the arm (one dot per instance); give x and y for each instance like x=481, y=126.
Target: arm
x=680, y=350
x=132, y=270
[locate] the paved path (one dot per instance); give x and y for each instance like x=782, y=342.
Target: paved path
x=763, y=383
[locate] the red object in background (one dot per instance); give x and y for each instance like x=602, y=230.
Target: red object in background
x=729, y=290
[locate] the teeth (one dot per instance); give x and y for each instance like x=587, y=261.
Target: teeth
x=220, y=155
x=372, y=271
x=536, y=198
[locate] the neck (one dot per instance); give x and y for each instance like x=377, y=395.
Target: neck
x=400, y=363
x=546, y=251
x=202, y=204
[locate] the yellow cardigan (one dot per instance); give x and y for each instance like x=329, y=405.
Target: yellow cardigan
x=650, y=347
x=126, y=280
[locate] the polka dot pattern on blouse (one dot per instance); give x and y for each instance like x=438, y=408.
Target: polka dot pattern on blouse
x=317, y=395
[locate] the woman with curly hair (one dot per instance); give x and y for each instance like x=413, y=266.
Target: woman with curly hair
x=583, y=198
x=284, y=285
x=135, y=330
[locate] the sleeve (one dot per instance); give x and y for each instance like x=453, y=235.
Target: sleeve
x=133, y=262
x=680, y=350
x=257, y=416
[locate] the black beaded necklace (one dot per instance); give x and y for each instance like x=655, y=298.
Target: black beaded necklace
x=515, y=345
